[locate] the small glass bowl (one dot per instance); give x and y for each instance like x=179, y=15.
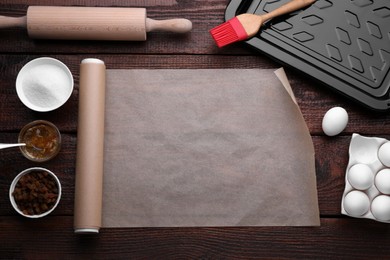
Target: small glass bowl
x=42, y=139
x=47, y=194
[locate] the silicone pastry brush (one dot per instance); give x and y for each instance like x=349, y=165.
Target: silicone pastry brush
x=92, y=23
x=245, y=26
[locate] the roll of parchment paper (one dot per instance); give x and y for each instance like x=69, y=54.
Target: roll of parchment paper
x=90, y=144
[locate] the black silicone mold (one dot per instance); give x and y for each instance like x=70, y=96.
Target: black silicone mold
x=345, y=44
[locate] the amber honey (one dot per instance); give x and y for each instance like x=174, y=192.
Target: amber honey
x=42, y=139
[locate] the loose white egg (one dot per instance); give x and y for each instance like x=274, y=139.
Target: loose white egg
x=384, y=154
x=360, y=176
x=382, y=181
x=335, y=121
x=380, y=207
x=356, y=203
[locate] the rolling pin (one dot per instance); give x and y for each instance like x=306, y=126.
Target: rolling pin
x=91, y=23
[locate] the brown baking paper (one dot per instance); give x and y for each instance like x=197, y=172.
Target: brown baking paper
x=90, y=147
x=206, y=147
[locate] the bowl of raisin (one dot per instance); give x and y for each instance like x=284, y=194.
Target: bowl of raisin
x=35, y=192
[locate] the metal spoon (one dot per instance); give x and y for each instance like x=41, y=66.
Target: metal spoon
x=3, y=146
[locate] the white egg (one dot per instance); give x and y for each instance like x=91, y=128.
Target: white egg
x=360, y=176
x=335, y=121
x=382, y=181
x=356, y=203
x=384, y=154
x=380, y=207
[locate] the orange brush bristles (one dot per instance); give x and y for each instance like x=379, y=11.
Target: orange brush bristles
x=229, y=32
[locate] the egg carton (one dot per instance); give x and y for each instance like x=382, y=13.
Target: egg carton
x=367, y=179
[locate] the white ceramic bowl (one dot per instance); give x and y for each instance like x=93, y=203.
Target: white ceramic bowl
x=44, y=84
x=28, y=171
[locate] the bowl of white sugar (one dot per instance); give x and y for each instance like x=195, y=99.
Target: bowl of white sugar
x=44, y=84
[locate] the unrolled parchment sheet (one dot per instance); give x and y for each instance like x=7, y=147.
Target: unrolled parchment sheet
x=206, y=147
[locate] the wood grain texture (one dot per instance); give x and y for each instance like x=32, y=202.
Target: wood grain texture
x=53, y=238
x=338, y=237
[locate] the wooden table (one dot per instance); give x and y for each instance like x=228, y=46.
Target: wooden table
x=338, y=236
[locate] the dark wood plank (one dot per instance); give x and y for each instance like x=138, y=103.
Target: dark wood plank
x=338, y=237
x=53, y=238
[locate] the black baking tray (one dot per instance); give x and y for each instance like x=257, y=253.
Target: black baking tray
x=344, y=44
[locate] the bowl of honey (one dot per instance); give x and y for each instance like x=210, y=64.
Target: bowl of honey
x=42, y=139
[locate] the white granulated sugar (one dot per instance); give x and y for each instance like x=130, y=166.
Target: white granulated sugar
x=46, y=85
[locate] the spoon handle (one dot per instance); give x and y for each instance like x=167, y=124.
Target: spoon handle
x=3, y=146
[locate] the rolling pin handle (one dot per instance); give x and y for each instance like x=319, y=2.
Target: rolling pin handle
x=8, y=22
x=178, y=25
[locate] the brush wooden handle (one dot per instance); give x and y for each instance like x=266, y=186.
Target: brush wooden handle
x=91, y=23
x=289, y=7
